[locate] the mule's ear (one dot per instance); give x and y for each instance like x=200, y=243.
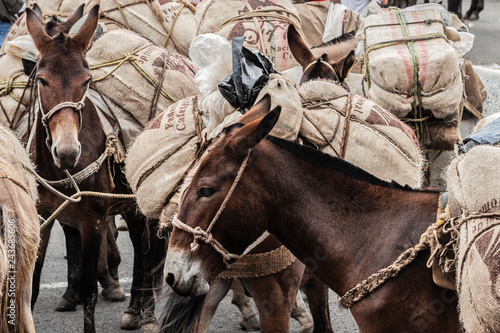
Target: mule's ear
x=345, y=65
x=251, y=134
x=83, y=38
x=257, y=111
x=38, y=11
x=298, y=47
x=78, y=14
x=36, y=30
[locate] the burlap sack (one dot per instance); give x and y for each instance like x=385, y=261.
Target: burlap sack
x=474, y=185
x=60, y=8
x=13, y=112
x=171, y=24
x=14, y=155
x=128, y=73
x=263, y=23
x=161, y=155
x=391, y=67
x=376, y=141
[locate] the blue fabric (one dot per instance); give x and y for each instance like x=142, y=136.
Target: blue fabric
x=4, y=30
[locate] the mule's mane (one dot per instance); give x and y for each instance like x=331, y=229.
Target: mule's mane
x=326, y=161
x=338, y=40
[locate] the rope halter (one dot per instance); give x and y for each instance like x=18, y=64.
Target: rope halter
x=77, y=106
x=206, y=235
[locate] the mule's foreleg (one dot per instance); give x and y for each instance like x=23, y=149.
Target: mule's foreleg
x=317, y=297
x=248, y=318
x=109, y=259
x=42, y=250
x=91, y=236
x=218, y=290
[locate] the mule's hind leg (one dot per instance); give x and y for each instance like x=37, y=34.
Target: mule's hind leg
x=275, y=297
x=248, y=318
x=109, y=259
x=73, y=240
x=300, y=314
x=42, y=250
x=317, y=297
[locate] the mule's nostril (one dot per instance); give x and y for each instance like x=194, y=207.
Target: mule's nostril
x=55, y=152
x=170, y=279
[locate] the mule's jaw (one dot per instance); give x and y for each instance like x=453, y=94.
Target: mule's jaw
x=184, y=274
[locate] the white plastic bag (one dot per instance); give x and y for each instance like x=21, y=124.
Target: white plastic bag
x=334, y=22
x=465, y=43
x=212, y=54
x=22, y=47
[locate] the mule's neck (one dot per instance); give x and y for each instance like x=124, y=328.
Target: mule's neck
x=91, y=136
x=329, y=219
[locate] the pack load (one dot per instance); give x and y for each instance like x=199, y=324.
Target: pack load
x=134, y=78
x=474, y=209
x=358, y=130
x=413, y=71
x=263, y=23
x=171, y=24
x=162, y=155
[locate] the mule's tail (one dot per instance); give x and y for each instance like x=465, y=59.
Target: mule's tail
x=19, y=240
x=181, y=313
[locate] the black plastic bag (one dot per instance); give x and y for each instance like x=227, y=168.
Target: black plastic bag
x=488, y=135
x=251, y=70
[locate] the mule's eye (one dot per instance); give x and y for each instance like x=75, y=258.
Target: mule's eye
x=87, y=82
x=206, y=192
x=43, y=82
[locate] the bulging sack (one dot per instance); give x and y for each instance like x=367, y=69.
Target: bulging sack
x=263, y=23
x=373, y=139
x=143, y=79
x=161, y=155
x=171, y=24
x=474, y=188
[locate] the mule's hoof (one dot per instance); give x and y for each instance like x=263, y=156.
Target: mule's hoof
x=150, y=328
x=65, y=305
x=130, y=321
x=113, y=294
x=307, y=328
x=122, y=225
x=250, y=324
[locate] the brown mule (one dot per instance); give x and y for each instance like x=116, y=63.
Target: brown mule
x=325, y=210
x=69, y=136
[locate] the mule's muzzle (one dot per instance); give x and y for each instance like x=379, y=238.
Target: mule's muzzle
x=184, y=275
x=66, y=156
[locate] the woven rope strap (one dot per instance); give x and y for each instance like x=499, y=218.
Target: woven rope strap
x=8, y=172
x=366, y=287
x=259, y=264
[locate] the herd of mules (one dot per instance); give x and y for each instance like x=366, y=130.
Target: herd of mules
x=321, y=207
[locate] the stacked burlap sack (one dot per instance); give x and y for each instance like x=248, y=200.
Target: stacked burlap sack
x=138, y=79
x=263, y=23
x=413, y=71
x=161, y=157
x=474, y=188
x=373, y=139
x=171, y=24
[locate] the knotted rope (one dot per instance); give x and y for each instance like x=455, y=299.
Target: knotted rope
x=366, y=287
x=206, y=235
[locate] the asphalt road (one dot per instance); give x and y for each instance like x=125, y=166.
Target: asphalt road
x=108, y=315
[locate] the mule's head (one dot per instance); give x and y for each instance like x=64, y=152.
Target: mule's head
x=189, y=267
x=319, y=66
x=62, y=80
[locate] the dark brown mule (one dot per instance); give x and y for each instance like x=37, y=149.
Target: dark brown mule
x=275, y=310
x=69, y=136
x=109, y=258
x=324, y=210
x=331, y=61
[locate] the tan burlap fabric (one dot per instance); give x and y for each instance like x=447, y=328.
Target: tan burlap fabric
x=263, y=23
x=141, y=78
x=12, y=86
x=474, y=89
x=375, y=141
x=474, y=188
x=15, y=162
x=171, y=24
x=391, y=68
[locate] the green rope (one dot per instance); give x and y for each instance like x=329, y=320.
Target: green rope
x=130, y=57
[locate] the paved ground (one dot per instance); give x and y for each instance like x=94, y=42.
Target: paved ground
x=486, y=51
